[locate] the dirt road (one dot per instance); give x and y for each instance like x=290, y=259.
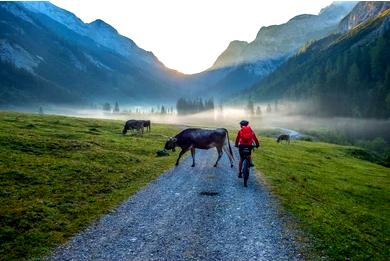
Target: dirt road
x=200, y=213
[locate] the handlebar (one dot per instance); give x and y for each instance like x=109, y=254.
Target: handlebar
x=253, y=146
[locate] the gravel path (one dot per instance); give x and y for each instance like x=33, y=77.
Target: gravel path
x=171, y=219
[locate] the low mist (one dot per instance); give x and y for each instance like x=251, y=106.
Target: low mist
x=262, y=116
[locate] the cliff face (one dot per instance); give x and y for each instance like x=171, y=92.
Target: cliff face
x=361, y=12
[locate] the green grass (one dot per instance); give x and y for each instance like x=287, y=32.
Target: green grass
x=339, y=199
x=58, y=174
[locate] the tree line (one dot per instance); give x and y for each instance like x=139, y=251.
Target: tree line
x=189, y=106
x=253, y=110
x=107, y=107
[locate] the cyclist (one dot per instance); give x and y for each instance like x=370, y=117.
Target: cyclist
x=245, y=139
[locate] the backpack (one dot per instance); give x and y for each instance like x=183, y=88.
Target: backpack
x=246, y=135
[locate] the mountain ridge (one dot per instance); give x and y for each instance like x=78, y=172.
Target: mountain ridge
x=361, y=13
x=326, y=20
x=272, y=46
x=75, y=57
x=345, y=74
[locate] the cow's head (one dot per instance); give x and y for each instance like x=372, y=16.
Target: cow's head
x=124, y=131
x=171, y=144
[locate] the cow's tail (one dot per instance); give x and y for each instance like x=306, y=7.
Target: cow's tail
x=230, y=148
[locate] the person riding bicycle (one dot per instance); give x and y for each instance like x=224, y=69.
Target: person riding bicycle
x=245, y=139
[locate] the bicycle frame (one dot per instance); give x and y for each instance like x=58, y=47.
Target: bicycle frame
x=246, y=164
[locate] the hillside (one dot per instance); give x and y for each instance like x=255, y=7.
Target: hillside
x=362, y=12
x=340, y=200
x=341, y=75
x=58, y=174
x=48, y=55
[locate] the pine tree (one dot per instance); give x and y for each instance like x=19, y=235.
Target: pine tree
x=106, y=107
x=116, y=109
x=387, y=90
x=250, y=107
x=163, y=111
x=353, y=78
x=378, y=62
x=200, y=105
x=209, y=104
x=258, y=110
x=269, y=109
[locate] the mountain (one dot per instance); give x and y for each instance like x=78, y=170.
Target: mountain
x=101, y=32
x=345, y=74
x=283, y=40
x=362, y=12
x=242, y=64
x=48, y=55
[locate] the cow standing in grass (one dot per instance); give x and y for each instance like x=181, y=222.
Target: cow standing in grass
x=285, y=137
x=195, y=138
x=133, y=125
x=147, y=125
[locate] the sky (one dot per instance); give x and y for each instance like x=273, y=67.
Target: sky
x=189, y=35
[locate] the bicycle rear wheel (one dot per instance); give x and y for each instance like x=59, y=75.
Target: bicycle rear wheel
x=245, y=171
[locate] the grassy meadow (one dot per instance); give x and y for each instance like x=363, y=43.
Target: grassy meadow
x=58, y=174
x=343, y=202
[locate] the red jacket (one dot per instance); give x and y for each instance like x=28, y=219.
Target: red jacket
x=239, y=141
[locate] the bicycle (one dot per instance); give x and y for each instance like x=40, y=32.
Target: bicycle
x=245, y=152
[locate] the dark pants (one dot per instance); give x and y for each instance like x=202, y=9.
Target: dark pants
x=241, y=147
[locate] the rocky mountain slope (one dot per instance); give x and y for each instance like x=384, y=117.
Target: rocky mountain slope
x=362, y=12
x=346, y=74
x=48, y=55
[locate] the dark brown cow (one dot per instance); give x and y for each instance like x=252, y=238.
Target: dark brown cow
x=195, y=138
x=147, y=125
x=285, y=137
x=133, y=125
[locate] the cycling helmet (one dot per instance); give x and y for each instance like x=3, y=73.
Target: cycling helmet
x=244, y=123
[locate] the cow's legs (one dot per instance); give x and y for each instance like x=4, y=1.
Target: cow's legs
x=229, y=155
x=181, y=154
x=219, y=149
x=193, y=156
